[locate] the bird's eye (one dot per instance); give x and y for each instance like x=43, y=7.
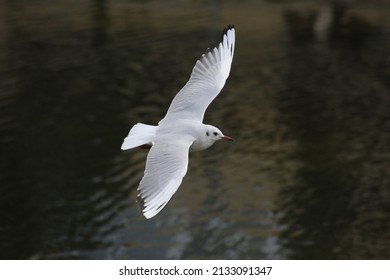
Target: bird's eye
x=207, y=133
x=215, y=133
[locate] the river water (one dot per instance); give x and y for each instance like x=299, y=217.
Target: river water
x=307, y=103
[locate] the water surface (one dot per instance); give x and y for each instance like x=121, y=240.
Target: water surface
x=306, y=178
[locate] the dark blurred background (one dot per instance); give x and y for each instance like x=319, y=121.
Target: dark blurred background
x=307, y=102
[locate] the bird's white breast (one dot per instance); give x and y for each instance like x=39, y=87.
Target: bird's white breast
x=185, y=128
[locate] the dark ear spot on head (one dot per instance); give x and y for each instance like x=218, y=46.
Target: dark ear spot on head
x=207, y=133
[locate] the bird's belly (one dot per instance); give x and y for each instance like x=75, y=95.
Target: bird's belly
x=198, y=146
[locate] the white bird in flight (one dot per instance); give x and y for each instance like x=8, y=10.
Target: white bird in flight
x=182, y=129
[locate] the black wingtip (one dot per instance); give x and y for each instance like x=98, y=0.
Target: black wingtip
x=224, y=32
x=227, y=28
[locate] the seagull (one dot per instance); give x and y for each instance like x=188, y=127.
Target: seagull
x=182, y=129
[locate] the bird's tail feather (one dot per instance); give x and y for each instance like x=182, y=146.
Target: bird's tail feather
x=140, y=134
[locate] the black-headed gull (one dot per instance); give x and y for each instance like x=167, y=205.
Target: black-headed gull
x=182, y=129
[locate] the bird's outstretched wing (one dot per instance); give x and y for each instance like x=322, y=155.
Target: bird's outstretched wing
x=207, y=79
x=166, y=166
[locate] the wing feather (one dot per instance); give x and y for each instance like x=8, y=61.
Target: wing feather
x=207, y=79
x=166, y=166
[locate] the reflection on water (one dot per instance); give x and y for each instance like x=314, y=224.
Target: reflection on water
x=338, y=194
x=307, y=176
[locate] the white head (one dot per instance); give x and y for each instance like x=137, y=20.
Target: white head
x=209, y=135
x=214, y=134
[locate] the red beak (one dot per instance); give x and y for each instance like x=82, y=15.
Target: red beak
x=228, y=138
